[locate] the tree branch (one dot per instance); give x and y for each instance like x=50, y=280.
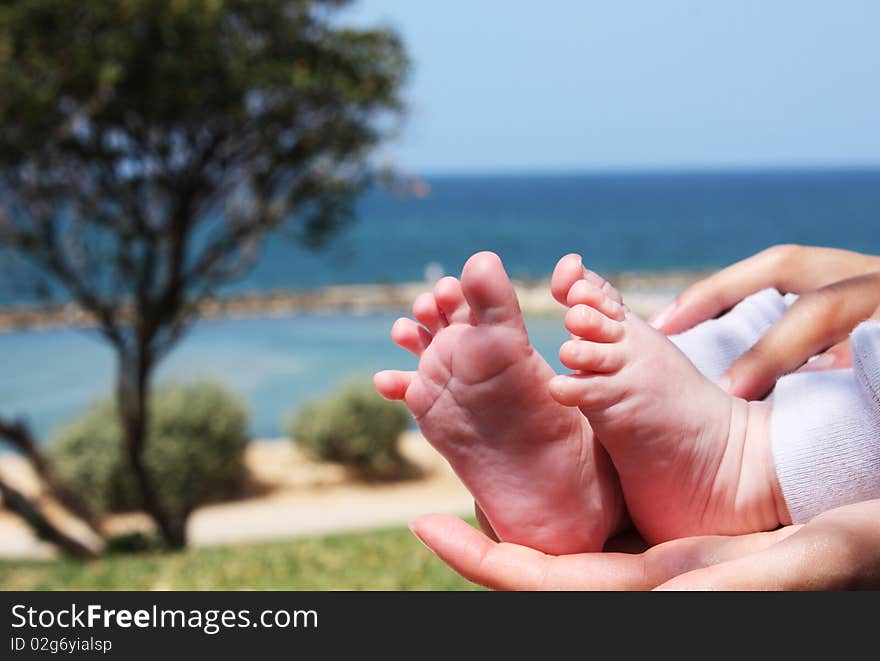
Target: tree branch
x=20, y=437
x=17, y=502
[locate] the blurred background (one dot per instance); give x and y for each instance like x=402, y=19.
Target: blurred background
x=658, y=140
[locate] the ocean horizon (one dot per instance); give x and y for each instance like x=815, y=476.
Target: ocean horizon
x=648, y=221
x=619, y=221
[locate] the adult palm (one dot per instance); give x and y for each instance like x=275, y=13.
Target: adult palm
x=839, y=549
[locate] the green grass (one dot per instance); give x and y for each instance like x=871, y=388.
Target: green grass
x=382, y=560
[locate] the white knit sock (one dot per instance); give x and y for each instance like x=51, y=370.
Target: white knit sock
x=713, y=345
x=825, y=432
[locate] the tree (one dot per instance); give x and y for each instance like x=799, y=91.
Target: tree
x=148, y=147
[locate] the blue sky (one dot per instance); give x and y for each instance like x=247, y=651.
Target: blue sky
x=620, y=84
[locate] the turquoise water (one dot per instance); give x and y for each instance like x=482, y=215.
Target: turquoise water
x=619, y=222
x=274, y=364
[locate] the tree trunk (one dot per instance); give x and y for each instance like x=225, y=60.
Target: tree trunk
x=17, y=502
x=133, y=399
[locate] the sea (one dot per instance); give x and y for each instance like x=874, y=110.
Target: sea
x=648, y=221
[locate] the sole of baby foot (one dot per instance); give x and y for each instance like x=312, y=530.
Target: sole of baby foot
x=480, y=396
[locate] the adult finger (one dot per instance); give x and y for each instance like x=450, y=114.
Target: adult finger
x=817, y=320
x=837, y=357
x=788, y=268
x=505, y=566
x=839, y=549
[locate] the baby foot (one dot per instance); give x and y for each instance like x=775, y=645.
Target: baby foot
x=713, y=345
x=691, y=459
x=480, y=396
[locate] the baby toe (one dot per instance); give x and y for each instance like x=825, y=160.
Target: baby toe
x=489, y=292
x=427, y=313
x=588, y=323
x=567, y=272
x=408, y=335
x=584, y=292
x=586, y=391
x=450, y=300
x=601, y=283
x=393, y=384
x=584, y=356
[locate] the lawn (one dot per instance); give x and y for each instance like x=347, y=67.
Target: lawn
x=381, y=560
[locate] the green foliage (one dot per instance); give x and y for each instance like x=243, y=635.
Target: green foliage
x=129, y=125
x=197, y=436
x=355, y=427
x=132, y=542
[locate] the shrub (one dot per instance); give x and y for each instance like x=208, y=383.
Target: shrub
x=197, y=436
x=355, y=427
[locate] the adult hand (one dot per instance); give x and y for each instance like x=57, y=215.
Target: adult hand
x=837, y=288
x=839, y=549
